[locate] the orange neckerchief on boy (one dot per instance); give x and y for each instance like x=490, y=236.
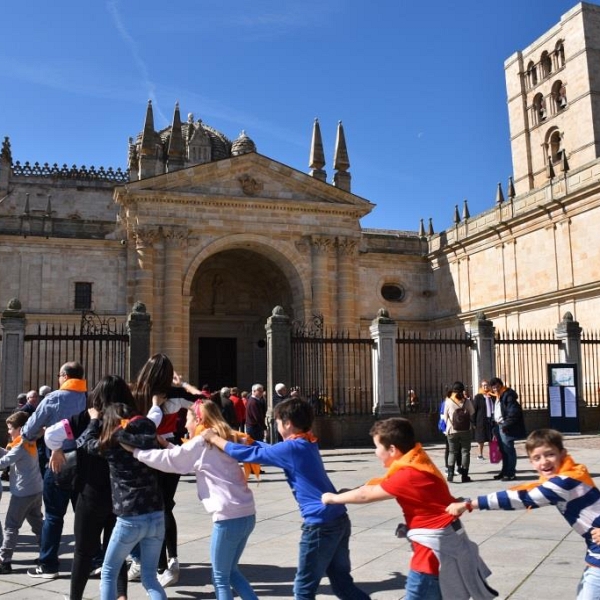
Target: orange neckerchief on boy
x=568, y=468
x=306, y=435
x=31, y=447
x=415, y=458
x=242, y=438
x=74, y=385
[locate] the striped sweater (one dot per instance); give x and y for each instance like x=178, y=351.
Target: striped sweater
x=577, y=499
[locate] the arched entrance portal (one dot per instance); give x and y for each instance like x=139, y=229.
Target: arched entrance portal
x=233, y=293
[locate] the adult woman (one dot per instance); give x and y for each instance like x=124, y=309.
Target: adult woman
x=157, y=379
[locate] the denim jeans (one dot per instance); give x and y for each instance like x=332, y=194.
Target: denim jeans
x=56, y=502
x=589, y=586
x=228, y=541
x=324, y=550
x=422, y=586
x=149, y=531
x=509, y=454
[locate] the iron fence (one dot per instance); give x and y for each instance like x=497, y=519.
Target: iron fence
x=521, y=363
x=100, y=345
x=590, y=368
x=428, y=364
x=333, y=372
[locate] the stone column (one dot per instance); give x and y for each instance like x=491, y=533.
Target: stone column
x=139, y=326
x=144, y=277
x=321, y=277
x=173, y=316
x=279, y=357
x=385, y=365
x=568, y=332
x=346, y=258
x=483, y=355
x=13, y=350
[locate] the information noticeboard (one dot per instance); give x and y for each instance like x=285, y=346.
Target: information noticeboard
x=563, y=390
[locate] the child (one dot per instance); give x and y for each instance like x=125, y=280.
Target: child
x=223, y=490
x=25, y=488
x=437, y=538
x=136, y=496
x=562, y=483
x=326, y=529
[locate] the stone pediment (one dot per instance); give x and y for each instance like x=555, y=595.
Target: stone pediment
x=250, y=178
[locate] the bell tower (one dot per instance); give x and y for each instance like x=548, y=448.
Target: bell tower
x=553, y=89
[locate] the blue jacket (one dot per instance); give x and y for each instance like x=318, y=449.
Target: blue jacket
x=56, y=406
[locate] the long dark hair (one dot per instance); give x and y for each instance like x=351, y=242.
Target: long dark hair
x=155, y=377
x=108, y=390
x=111, y=421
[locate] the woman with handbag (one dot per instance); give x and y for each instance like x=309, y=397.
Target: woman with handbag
x=94, y=517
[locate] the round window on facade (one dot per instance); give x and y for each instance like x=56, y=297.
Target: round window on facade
x=392, y=292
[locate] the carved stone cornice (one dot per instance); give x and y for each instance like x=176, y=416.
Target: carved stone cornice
x=347, y=246
x=145, y=237
x=176, y=235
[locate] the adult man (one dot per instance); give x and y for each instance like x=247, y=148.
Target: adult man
x=227, y=409
x=63, y=403
x=509, y=425
x=31, y=404
x=281, y=393
x=256, y=413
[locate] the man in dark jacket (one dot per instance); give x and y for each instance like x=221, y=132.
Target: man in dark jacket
x=509, y=426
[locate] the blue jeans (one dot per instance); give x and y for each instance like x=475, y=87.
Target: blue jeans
x=589, y=586
x=509, y=454
x=324, y=550
x=228, y=541
x=422, y=586
x=56, y=502
x=149, y=531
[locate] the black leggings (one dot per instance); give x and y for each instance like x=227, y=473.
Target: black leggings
x=168, y=484
x=91, y=520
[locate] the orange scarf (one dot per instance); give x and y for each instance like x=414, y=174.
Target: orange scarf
x=241, y=438
x=307, y=435
x=568, y=468
x=29, y=446
x=74, y=385
x=415, y=458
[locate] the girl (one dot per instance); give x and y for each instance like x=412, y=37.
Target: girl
x=93, y=511
x=137, y=500
x=157, y=379
x=223, y=490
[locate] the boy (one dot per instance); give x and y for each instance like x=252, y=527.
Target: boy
x=437, y=538
x=25, y=488
x=562, y=483
x=326, y=529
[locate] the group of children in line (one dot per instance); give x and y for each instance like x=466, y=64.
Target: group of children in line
x=444, y=564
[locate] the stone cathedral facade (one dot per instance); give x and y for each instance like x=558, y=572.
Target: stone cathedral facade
x=210, y=234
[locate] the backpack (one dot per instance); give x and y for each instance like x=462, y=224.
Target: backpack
x=461, y=419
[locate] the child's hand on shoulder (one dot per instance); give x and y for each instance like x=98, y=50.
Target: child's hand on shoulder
x=328, y=498
x=94, y=413
x=208, y=435
x=596, y=535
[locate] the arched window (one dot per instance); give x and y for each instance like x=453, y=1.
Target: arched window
x=539, y=109
x=554, y=145
x=392, y=292
x=559, y=96
x=531, y=74
x=559, y=54
x=546, y=64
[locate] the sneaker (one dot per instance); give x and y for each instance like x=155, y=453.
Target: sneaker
x=499, y=476
x=134, y=572
x=509, y=478
x=5, y=568
x=170, y=575
x=41, y=572
x=466, y=479
x=480, y=457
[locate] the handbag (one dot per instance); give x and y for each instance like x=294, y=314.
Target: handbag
x=65, y=478
x=495, y=454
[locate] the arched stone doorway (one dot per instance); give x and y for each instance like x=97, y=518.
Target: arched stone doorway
x=233, y=292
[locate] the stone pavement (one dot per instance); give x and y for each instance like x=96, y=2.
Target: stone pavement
x=533, y=554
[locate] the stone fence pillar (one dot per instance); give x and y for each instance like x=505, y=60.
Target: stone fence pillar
x=279, y=358
x=139, y=326
x=569, y=333
x=384, y=360
x=13, y=349
x=483, y=359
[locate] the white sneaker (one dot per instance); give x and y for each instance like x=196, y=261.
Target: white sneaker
x=134, y=572
x=170, y=575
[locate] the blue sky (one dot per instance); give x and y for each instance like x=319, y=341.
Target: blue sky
x=419, y=86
